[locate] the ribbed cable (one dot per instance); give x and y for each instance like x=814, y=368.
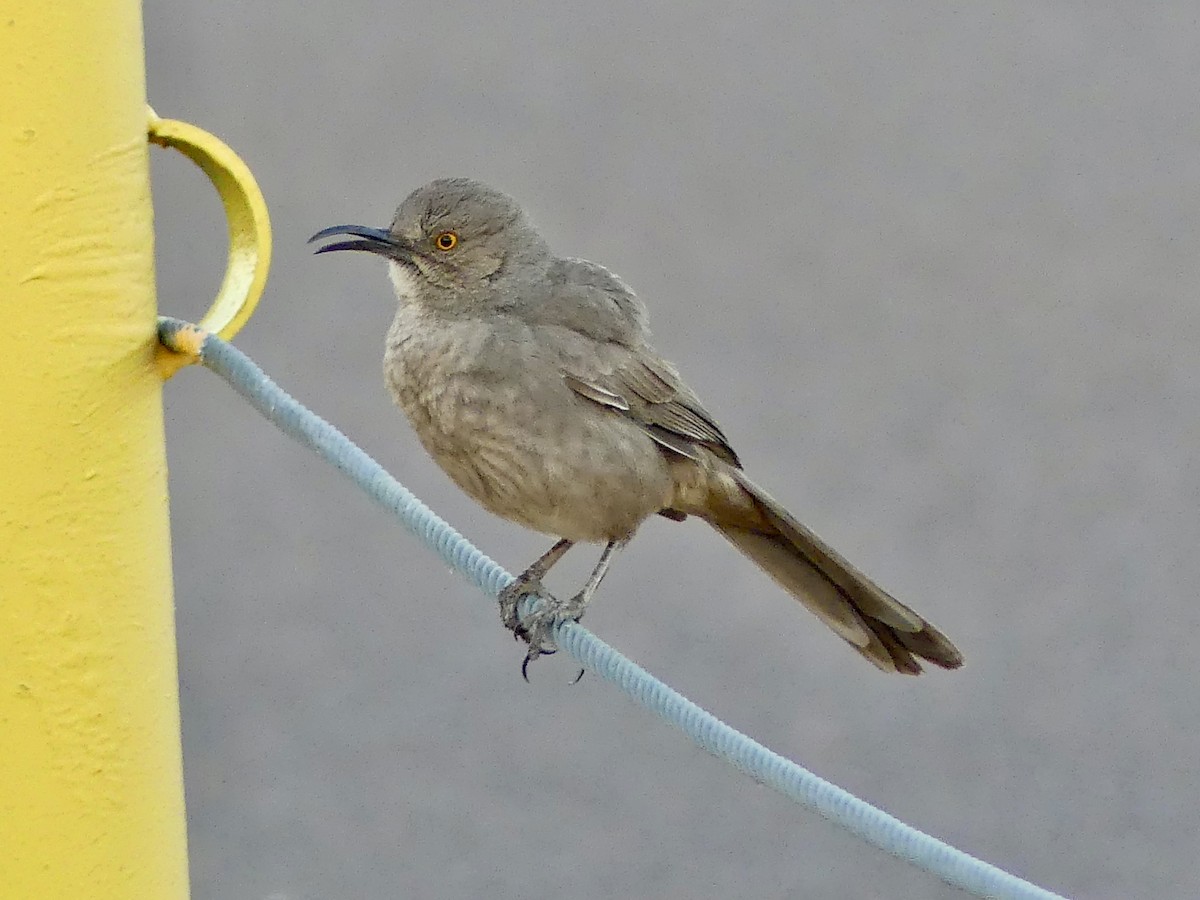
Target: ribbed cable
x=763, y=765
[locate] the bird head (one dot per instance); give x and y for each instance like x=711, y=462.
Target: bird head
x=453, y=242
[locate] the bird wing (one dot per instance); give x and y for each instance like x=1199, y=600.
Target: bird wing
x=595, y=306
x=649, y=391
x=589, y=300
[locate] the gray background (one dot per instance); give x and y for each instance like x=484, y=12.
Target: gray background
x=934, y=267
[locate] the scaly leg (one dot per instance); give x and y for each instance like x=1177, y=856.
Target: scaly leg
x=528, y=582
x=538, y=626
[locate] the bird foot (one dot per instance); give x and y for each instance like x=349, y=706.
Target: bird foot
x=537, y=628
x=518, y=589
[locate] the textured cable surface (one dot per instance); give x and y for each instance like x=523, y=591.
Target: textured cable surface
x=841, y=807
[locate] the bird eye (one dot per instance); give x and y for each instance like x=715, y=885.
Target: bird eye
x=447, y=240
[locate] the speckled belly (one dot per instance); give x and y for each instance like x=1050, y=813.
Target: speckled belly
x=529, y=450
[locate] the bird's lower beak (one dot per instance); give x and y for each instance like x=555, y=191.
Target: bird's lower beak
x=372, y=240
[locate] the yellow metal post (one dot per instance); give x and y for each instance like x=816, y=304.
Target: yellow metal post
x=91, y=798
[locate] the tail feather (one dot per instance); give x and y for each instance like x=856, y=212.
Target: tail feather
x=876, y=624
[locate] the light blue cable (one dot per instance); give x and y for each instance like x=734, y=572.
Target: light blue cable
x=872, y=825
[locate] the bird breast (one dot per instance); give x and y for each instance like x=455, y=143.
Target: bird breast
x=491, y=407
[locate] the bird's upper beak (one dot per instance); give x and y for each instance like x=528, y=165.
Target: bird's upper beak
x=373, y=240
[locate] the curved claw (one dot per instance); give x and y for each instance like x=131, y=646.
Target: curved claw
x=536, y=632
x=533, y=654
x=537, y=629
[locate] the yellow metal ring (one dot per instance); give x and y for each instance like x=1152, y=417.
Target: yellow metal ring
x=249, y=229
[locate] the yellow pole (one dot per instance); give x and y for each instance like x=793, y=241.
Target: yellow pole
x=91, y=798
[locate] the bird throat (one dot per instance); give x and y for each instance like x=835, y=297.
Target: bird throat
x=404, y=281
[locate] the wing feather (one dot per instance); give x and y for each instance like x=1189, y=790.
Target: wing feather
x=650, y=392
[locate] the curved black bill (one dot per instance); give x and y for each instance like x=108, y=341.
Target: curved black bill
x=372, y=240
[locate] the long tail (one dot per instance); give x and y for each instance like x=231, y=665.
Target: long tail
x=876, y=624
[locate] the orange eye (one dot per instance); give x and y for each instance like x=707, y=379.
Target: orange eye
x=447, y=240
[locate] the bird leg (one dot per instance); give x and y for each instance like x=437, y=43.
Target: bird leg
x=538, y=626
x=527, y=583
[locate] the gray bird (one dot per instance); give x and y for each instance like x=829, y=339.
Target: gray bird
x=529, y=378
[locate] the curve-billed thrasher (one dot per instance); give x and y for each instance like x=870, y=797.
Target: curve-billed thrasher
x=529, y=379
